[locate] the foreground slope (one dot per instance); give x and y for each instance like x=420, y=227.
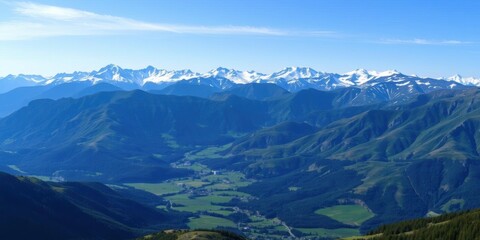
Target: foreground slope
x=192, y=235
x=33, y=209
x=463, y=225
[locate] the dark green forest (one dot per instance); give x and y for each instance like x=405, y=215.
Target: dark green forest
x=460, y=225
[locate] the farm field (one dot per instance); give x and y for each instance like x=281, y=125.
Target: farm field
x=348, y=214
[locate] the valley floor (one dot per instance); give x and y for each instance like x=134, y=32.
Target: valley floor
x=208, y=194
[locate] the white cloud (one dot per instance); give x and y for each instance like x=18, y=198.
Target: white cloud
x=420, y=41
x=38, y=20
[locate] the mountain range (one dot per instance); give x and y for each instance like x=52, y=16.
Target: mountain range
x=290, y=78
x=364, y=87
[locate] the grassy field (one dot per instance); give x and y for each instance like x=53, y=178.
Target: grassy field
x=264, y=223
x=157, y=188
x=198, y=204
x=348, y=214
x=192, y=183
x=209, y=222
x=215, y=199
x=231, y=193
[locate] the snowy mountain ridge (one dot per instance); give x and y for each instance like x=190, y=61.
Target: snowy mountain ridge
x=291, y=78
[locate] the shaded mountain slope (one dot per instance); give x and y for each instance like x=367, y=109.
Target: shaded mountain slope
x=186, y=88
x=35, y=209
x=255, y=91
x=124, y=132
x=402, y=161
x=278, y=134
x=442, y=127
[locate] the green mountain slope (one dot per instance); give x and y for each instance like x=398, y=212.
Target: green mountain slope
x=133, y=136
x=463, y=225
x=254, y=91
x=401, y=161
x=445, y=127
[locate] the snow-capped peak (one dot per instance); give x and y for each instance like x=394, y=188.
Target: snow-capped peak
x=25, y=78
x=220, y=72
x=290, y=73
x=362, y=76
x=236, y=76
x=387, y=73
x=455, y=78
x=469, y=81
x=358, y=76
x=110, y=68
x=161, y=75
x=291, y=78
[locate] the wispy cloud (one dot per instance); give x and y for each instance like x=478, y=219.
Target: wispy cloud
x=38, y=20
x=421, y=41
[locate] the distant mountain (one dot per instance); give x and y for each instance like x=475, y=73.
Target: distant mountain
x=371, y=87
x=292, y=73
x=238, y=77
x=33, y=209
x=20, y=97
x=469, y=81
x=290, y=78
x=11, y=82
x=188, y=88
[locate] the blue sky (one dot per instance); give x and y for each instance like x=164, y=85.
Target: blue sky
x=428, y=38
